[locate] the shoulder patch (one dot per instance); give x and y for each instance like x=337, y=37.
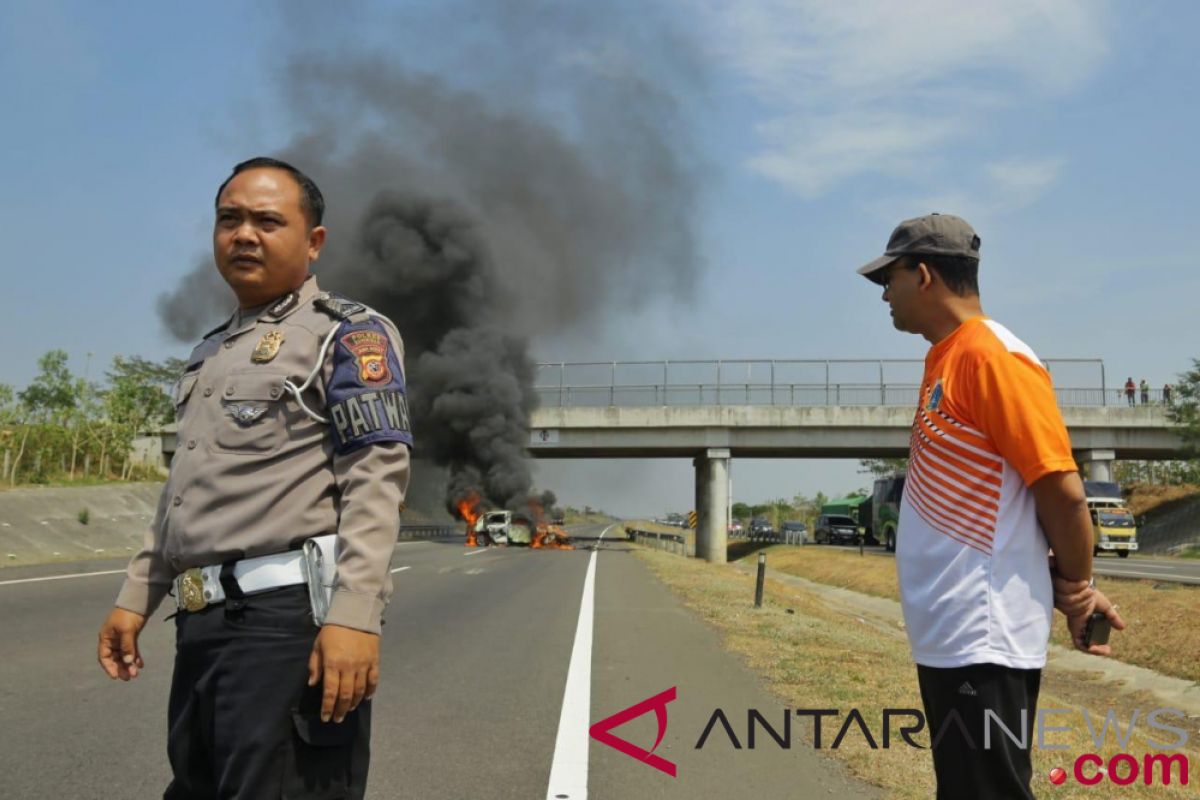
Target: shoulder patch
x=370, y=348
x=337, y=306
x=366, y=395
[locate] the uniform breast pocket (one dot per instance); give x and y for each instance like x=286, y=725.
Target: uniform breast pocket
x=252, y=418
x=183, y=390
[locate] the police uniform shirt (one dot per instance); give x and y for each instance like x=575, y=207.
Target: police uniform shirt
x=253, y=474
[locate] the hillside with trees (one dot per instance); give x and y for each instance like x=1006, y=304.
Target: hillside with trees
x=64, y=427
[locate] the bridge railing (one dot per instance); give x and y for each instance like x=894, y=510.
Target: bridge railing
x=891, y=382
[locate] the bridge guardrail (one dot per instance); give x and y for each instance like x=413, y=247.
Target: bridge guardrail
x=786, y=382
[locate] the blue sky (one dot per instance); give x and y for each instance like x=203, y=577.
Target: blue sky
x=1064, y=131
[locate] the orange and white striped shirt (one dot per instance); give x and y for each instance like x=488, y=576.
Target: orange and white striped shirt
x=971, y=555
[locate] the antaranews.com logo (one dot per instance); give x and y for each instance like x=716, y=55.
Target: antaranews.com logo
x=831, y=728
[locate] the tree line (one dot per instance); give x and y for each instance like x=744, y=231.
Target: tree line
x=805, y=508
x=64, y=426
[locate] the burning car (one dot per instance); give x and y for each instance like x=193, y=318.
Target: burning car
x=504, y=527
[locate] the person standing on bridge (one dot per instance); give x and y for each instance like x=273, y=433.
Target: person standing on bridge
x=279, y=516
x=1130, y=391
x=991, y=486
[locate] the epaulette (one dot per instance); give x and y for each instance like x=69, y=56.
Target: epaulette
x=337, y=306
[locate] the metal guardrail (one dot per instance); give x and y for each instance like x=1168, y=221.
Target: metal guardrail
x=676, y=543
x=429, y=531
x=784, y=382
x=797, y=538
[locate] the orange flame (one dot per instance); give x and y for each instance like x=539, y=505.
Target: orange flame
x=551, y=537
x=468, y=509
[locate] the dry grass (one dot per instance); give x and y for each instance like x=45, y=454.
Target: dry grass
x=1143, y=496
x=818, y=657
x=1163, y=633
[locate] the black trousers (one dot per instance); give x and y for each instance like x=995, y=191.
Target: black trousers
x=243, y=722
x=967, y=764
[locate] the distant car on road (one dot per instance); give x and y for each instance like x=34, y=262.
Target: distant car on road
x=794, y=529
x=835, y=529
x=735, y=527
x=761, y=527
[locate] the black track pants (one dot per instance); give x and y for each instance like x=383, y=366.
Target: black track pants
x=966, y=764
x=243, y=723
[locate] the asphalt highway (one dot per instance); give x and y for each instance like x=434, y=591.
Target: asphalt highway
x=495, y=663
x=1174, y=570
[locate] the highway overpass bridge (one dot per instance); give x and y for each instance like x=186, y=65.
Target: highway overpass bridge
x=712, y=412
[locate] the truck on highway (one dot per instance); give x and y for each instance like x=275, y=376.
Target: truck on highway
x=857, y=507
x=1114, y=529
x=885, y=510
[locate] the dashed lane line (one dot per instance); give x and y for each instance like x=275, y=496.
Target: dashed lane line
x=61, y=577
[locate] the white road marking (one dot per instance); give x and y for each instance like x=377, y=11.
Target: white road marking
x=400, y=569
x=569, y=769
x=1143, y=565
x=477, y=552
x=62, y=577
x=1160, y=575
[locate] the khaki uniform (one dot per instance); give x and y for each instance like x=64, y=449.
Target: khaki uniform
x=253, y=474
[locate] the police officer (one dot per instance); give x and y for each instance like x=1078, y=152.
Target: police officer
x=293, y=425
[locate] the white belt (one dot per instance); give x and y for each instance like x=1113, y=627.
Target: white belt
x=201, y=586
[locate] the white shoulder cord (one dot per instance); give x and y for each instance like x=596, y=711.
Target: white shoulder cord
x=296, y=391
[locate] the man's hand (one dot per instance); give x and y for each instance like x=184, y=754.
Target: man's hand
x=118, y=651
x=1077, y=622
x=349, y=661
x=1072, y=598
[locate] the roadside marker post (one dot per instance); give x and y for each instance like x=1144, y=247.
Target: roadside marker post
x=762, y=577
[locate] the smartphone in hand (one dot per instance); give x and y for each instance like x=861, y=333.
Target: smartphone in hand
x=1097, y=629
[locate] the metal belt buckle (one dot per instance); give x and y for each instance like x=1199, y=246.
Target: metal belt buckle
x=191, y=590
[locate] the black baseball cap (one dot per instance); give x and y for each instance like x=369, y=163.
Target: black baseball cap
x=932, y=234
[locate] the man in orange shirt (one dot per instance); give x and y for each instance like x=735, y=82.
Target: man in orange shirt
x=991, y=487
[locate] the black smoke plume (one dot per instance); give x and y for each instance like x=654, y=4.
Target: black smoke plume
x=558, y=189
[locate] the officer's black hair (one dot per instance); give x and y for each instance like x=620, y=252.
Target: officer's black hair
x=312, y=202
x=959, y=273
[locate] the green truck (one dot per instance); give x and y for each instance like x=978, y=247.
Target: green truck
x=885, y=509
x=857, y=507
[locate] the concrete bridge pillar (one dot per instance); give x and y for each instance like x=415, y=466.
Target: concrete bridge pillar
x=712, y=505
x=1099, y=464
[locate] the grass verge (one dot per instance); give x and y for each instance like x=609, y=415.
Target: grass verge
x=811, y=655
x=1163, y=633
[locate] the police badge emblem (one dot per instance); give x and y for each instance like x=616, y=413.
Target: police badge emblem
x=267, y=347
x=370, y=348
